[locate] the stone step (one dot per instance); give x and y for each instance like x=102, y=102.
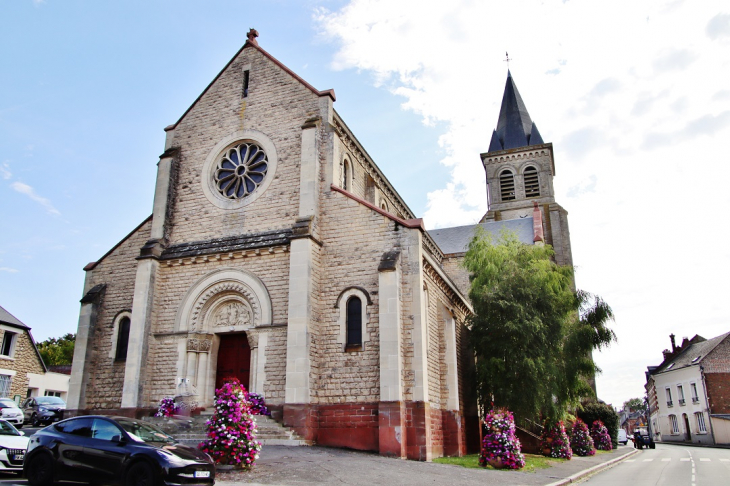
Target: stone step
x=192, y=430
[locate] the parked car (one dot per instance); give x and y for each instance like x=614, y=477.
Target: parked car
x=622, y=437
x=13, y=445
x=10, y=411
x=113, y=450
x=42, y=410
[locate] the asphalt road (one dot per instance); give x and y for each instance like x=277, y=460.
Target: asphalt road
x=669, y=465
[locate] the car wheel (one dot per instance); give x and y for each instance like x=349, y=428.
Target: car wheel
x=19, y=426
x=40, y=470
x=34, y=421
x=140, y=474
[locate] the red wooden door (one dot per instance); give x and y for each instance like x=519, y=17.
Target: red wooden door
x=234, y=359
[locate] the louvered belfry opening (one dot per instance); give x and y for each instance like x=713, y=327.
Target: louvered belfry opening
x=507, y=185
x=532, y=184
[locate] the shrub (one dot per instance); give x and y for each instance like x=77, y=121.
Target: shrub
x=580, y=439
x=500, y=447
x=232, y=430
x=554, y=441
x=600, y=436
x=592, y=411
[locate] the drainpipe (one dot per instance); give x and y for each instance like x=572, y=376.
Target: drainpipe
x=707, y=403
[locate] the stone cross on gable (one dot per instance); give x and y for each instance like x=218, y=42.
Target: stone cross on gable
x=252, y=34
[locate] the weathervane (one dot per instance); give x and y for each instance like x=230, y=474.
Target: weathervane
x=507, y=59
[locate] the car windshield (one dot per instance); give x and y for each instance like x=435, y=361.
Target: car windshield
x=5, y=403
x=7, y=429
x=144, y=432
x=49, y=401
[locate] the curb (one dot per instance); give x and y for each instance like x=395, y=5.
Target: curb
x=594, y=469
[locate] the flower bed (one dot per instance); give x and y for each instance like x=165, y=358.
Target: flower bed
x=232, y=430
x=167, y=408
x=580, y=439
x=554, y=441
x=500, y=447
x=600, y=436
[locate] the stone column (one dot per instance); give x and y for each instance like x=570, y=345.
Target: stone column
x=83, y=349
x=144, y=285
x=298, y=332
x=391, y=413
x=162, y=190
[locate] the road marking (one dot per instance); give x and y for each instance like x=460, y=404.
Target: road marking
x=647, y=460
x=724, y=460
x=630, y=460
x=704, y=459
x=666, y=459
x=685, y=459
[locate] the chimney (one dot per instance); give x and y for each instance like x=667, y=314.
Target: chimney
x=674, y=346
x=667, y=354
x=685, y=342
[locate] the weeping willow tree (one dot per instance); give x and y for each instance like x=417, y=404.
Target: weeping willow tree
x=532, y=332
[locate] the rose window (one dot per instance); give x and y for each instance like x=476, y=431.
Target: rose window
x=240, y=170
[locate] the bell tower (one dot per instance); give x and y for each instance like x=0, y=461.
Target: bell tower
x=520, y=168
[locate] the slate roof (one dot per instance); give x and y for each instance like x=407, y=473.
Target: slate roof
x=515, y=128
x=7, y=318
x=229, y=243
x=456, y=239
x=684, y=359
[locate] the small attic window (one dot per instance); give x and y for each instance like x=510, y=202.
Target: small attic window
x=532, y=184
x=696, y=359
x=245, y=83
x=670, y=366
x=507, y=185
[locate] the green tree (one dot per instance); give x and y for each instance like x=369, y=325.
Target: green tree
x=58, y=351
x=634, y=404
x=533, y=334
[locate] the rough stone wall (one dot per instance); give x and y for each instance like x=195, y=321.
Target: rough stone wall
x=24, y=360
x=118, y=271
x=354, y=240
x=173, y=281
x=436, y=349
x=277, y=105
x=275, y=366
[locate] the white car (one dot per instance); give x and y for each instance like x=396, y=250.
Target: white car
x=10, y=411
x=13, y=445
x=622, y=437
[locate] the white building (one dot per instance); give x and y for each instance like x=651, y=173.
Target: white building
x=685, y=392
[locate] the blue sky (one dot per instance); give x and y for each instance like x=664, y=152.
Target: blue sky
x=633, y=96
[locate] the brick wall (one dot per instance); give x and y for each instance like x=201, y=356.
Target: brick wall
x=718, y=391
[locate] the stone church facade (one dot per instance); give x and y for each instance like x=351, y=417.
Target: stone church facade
x=278, y=253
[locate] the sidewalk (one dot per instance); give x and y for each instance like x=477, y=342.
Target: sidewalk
x=285, y=466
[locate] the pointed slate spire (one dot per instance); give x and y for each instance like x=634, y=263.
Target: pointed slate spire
x=515, y=127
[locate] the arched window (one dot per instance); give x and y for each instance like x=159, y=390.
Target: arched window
x=353, y=318
x=507, y=185
x=532, y=183
x=354, y=321
x=122, y=339
x=383, y=205
x=346, y=172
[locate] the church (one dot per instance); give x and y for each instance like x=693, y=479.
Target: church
x=278, y=253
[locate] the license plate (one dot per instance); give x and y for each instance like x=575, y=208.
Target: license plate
x=202, y=474
x=18, y=457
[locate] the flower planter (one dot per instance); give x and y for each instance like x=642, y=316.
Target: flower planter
x=549, y=440
x=546, y=451
x=496, y=463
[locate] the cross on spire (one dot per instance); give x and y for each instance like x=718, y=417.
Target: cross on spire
x=507, y=59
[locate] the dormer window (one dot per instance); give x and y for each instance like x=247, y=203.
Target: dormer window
x=507, y=185
x=696, y=359
x=532, y=183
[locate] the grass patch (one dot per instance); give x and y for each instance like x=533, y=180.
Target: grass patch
x=532, y=462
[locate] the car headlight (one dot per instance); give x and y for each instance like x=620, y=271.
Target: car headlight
x=42, y=409
x=172, y=459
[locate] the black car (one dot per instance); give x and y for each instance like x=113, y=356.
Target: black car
x=42, y=410
x=113, y=450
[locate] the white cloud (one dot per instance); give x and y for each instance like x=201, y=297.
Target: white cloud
x=8, y=269
x=634, y=115
x=28, y=191
x=5, y=171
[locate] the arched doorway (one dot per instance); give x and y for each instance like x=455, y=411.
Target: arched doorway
x=687, y=433
x=234, y=360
